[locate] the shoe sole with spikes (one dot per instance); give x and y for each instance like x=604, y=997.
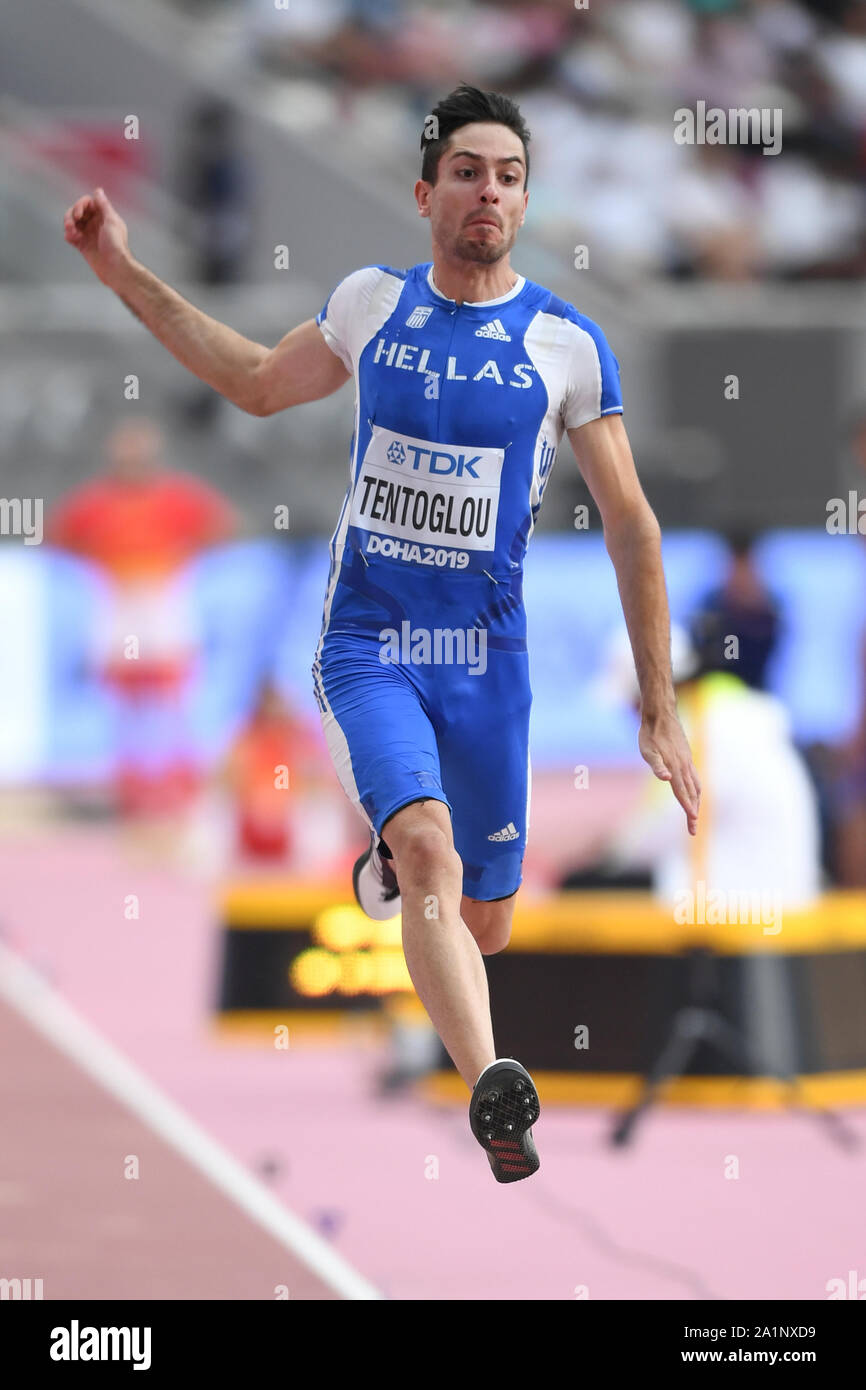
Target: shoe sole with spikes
x=503, y=1108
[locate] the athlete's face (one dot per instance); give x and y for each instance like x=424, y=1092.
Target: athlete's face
x=478, y=202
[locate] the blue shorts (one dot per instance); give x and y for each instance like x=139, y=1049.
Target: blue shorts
x=399, y=732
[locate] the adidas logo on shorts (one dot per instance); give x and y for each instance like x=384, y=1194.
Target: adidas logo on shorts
x=493, y=329
x=508, y=832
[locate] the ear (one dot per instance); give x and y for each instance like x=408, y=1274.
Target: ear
x=423, y=191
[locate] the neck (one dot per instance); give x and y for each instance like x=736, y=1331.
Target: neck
x=467, y=281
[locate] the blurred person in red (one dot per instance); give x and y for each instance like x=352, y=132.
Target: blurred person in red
x=141, y=524
x=275, y=761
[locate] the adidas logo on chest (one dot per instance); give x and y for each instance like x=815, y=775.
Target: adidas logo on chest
x=494, y=329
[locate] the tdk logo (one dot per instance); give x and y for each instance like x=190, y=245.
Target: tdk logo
x=441, y=462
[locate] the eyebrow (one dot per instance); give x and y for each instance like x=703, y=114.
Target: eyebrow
x=471, y=154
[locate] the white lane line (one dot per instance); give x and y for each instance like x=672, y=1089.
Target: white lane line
x=26, y=991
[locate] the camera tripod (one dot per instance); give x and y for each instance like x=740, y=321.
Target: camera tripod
x=698, y=1020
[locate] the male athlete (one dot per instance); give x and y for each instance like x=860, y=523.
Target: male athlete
x=466, y=376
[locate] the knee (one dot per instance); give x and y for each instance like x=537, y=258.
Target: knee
x=422, y=854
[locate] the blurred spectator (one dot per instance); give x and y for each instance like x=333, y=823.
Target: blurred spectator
x=740, y=608
x=712, y=218
x=214, y=185
x=842, y=55
x=350, y=40
x=274, y=761
x=728, y=65
x=758, y=831
x=811, y=221
x=140, y=525
x=784, y=26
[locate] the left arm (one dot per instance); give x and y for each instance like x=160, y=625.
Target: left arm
x=633, y=541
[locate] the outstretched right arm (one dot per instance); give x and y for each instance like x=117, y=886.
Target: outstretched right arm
x=259, y=380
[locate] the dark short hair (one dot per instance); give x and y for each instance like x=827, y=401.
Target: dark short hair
x=742, y=537
x=464, y=106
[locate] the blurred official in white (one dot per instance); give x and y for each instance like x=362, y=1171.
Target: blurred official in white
x=758, y=834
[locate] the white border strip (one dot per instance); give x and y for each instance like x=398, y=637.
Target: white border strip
x=26, y=992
